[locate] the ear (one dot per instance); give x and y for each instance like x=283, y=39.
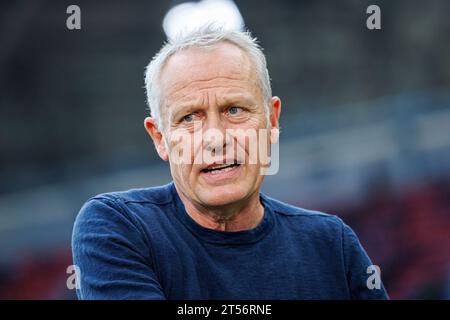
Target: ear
x=152, y=128
x=274, y=108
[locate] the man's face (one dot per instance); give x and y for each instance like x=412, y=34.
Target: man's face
x=214, y=89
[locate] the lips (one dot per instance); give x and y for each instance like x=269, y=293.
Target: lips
x=220, y=174
x=216, y=168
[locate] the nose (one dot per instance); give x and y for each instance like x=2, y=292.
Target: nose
x=214, y=133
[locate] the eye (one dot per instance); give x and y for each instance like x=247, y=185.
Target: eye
x=234, y=110
x=188, y=118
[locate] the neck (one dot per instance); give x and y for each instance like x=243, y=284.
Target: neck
x=243, y=215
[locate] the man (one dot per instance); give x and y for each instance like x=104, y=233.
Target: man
x=211, y=234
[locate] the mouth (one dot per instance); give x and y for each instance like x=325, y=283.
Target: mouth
x=214, y=169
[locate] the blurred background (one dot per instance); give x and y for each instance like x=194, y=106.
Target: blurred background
x=365, y=126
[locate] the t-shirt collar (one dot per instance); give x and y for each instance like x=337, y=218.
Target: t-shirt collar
x=225, y=237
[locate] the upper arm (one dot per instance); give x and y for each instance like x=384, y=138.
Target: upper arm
x=111, y=254
x=356, y=263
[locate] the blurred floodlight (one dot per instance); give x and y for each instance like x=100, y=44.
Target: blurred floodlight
x=191, y=15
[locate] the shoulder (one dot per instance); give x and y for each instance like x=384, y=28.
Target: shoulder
x=309, y=222
x=160, y=195
x=317, y=226
x=291, y=211
x=124, y=206
x=154, y=195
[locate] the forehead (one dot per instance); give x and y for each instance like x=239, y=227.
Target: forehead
x=193, y=69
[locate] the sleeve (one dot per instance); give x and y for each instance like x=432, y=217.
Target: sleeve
x=111, y=255
x=364, y=278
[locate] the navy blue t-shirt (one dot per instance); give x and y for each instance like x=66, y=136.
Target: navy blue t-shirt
x=142, y=244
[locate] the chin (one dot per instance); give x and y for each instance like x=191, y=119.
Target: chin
x=222, y=195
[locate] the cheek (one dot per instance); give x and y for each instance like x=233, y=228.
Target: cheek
x=182, y=171
x=257, y=121
x=185, y=170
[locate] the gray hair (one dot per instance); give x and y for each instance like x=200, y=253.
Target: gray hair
x=206, y=36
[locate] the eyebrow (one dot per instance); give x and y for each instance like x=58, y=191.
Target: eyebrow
x=188, y=107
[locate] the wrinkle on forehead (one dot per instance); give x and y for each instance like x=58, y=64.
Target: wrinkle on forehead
x=196, y=69
x=186, y=95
